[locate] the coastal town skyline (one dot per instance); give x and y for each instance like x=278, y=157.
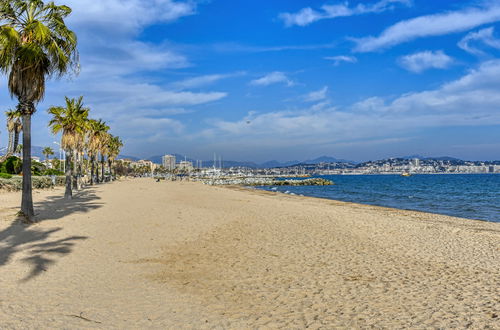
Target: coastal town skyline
x=260, y=81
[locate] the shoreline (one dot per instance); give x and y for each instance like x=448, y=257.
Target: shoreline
x=249, y=188
x=141, y=254
x=404, y=212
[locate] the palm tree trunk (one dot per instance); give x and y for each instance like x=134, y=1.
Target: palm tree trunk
x=102, y=168
x=27, y=197
x=15, y=142
x=69, y=176
x=10, y=146
x=75, y=170
x=110, y=172
x=92, y=167
x=81, y=168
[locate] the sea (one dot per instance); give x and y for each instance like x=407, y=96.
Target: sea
x=472, y=196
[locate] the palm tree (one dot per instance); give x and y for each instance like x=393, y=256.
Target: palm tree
x=71, y=121
x=79, y=150
x=48, y=151
x=14, y=127
x=114, y=146
x=104, y=151
x=35, y=44
x=96, y=137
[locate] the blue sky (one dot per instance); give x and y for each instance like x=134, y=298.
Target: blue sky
x=262, y=80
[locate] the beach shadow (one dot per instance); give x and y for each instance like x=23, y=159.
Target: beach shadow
x=41, y=250
x=56, y=207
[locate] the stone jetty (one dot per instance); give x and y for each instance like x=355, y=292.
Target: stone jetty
x=260, y=181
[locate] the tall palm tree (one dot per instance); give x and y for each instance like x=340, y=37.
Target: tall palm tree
x=48, y=151
x=71, y=120
x=79, y=150
x=14, y=127
x=96, y=137
x=104, y=151
x=35, y=44
x=114, y=147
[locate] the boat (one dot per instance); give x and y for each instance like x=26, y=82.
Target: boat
x=406, y=174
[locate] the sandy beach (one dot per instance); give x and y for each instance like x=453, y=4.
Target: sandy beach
x=138, y=254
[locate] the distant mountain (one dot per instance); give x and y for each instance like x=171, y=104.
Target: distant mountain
x=127, y=157
x=275, y=163
x=231, y=163
x=322, y=159
x=433, y=158
x=445, y=158
x=413, y=157
x=325, y=159
x=36, y=151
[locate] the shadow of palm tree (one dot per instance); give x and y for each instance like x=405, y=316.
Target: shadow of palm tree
x=56, y=207
x=43, y=251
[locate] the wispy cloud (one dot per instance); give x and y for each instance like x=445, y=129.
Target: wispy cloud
x=421, y=61
x=307, y=15
x=337, y=60
x=273, y=78
x=430, y=25
x=485, y=36
x=237, y=48
x=204, y=80
x=117, y=68
x=131, y=15
x=469, y=101
x=316, y=96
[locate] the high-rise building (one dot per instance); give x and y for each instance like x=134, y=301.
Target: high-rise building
x=168, y=161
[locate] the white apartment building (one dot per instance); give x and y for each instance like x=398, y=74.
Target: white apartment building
x=168, y=162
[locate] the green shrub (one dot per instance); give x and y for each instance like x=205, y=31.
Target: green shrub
x=37, y=168
x=51, y=171
x=13, y=165
x=5, y=176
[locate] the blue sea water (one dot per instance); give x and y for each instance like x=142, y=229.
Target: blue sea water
x=473, y=196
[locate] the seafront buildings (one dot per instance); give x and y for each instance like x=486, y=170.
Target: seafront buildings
x=185, y=166
x=168, y=162
x=394, y=166
x=385, y=166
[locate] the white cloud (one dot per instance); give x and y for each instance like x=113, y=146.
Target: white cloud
x=101, y=61
x=430, y=25
x=472, y=100
x=316, y=96
x=107, y=35
x=120, y=75
x=341, y=59
x=136, y=95
x=308, y=15
x=422, y=61
x=485, y=36
x=236, y=47
x=118, y=17
x=273, y=78
x=204, y=80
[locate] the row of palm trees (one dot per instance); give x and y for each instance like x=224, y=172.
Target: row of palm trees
x=14, y=127
x=35, y=45
x=82, y=135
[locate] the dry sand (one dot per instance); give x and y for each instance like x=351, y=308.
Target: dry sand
x=138, y=254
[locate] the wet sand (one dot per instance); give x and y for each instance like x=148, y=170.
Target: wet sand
x=140, y=254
